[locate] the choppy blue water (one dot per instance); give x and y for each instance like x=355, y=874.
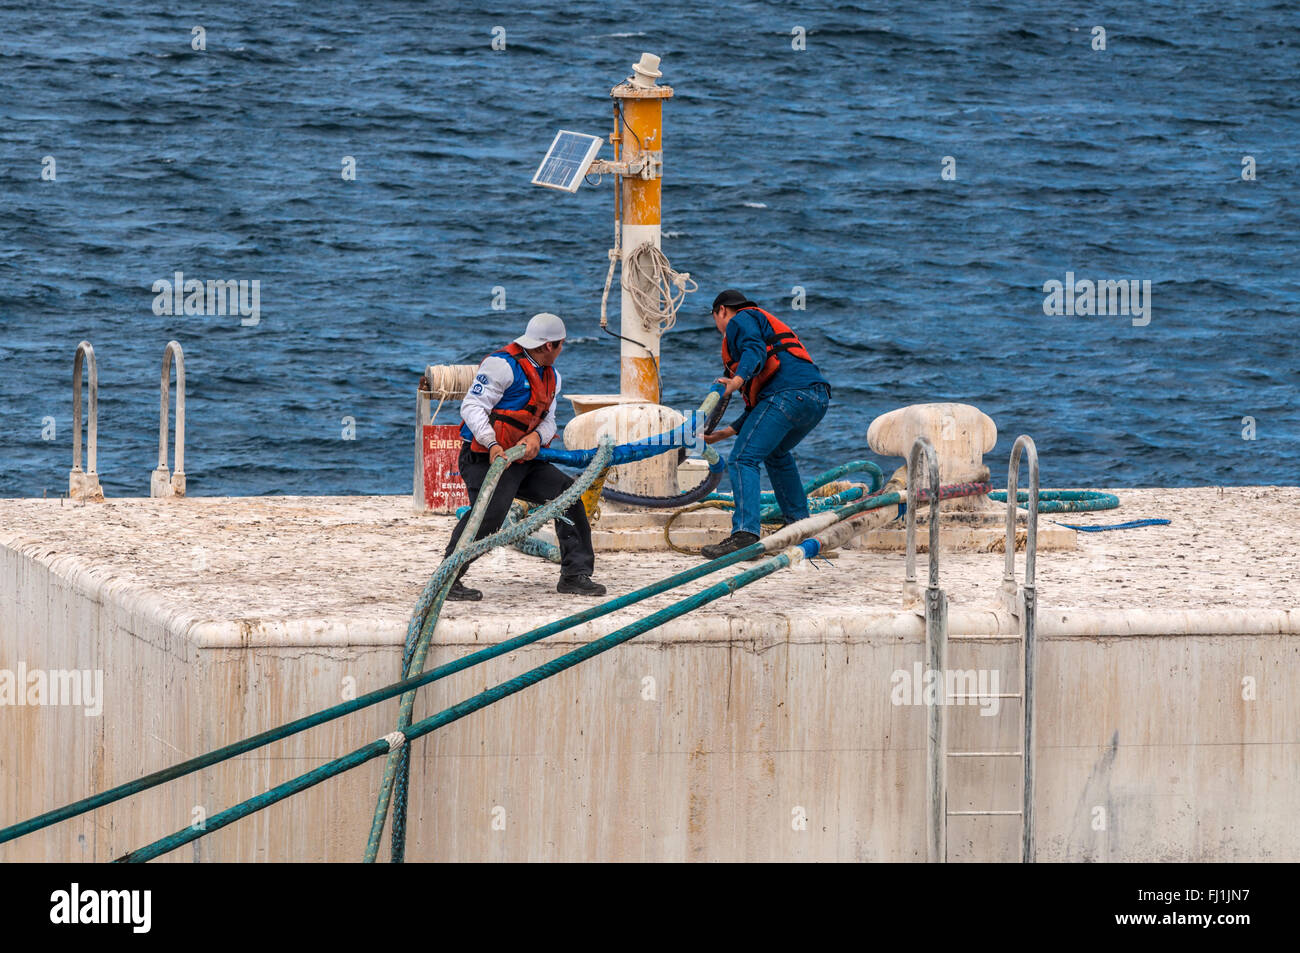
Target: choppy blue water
x=818, y=168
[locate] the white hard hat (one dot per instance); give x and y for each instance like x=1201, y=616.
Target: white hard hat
x=541, y=328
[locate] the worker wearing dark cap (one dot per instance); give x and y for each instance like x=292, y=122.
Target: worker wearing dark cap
x=785, y=398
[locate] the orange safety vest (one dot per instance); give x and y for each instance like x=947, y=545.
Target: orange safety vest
x=784, y=341
x=511, y=426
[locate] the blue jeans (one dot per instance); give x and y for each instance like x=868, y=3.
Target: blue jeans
x=770, y=432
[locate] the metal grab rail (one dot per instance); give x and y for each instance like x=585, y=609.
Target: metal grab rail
x=163, y=482
x=922, y=445
x=1023, y=442
x=936, y=650
x=84, y=485
x=1026, y=605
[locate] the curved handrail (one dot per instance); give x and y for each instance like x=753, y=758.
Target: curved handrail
x=1027, y=610
x=1026, y=443
x=85, y=354
x=922, y=445
x=165, y=483
x=85, y=484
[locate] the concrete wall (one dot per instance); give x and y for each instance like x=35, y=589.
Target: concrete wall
x=750, y=729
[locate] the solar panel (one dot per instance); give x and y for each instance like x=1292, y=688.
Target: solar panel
x=567, y=160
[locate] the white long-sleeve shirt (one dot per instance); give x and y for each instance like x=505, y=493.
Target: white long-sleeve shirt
x=501, y=385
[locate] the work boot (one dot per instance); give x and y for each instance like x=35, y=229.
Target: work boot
x=729, y=545
x=460, y=592
x=580, y=586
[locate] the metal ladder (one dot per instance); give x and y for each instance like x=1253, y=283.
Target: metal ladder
x=1022, y=602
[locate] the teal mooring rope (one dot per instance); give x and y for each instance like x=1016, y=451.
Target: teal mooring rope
x=418, y=730
x=1063, y=501
x=382, y=746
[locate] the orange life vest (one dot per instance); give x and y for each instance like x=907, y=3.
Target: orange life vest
x=511, y=426
x=784, y=341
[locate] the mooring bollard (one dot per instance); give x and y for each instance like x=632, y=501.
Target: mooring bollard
x=84, y=485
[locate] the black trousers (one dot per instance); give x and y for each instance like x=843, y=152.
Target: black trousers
x=536, y=482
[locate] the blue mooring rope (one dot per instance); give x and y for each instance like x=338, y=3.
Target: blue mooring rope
x=1131, y=524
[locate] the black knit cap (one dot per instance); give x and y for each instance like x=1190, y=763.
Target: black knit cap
x=732, y=299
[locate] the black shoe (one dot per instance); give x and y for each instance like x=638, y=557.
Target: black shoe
x=460, y=592
x=729, y=545
x=580, y=586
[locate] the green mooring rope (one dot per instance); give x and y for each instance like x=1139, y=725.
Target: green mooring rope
x=396, y=778
x=418, y=730
x=375, y=697
x=382, y=746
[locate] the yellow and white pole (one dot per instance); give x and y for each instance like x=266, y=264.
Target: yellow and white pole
x=640, y=135
x=638, y=140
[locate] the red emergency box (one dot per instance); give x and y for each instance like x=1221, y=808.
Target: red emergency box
x=443, y=488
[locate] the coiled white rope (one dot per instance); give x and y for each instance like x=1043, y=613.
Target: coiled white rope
x=449, y=381
x=656, y=290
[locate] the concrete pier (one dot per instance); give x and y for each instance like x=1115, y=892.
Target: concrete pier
x=763, y=727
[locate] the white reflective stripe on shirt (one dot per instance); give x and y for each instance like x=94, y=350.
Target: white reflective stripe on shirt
x=493, y=379
x=494, y=375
